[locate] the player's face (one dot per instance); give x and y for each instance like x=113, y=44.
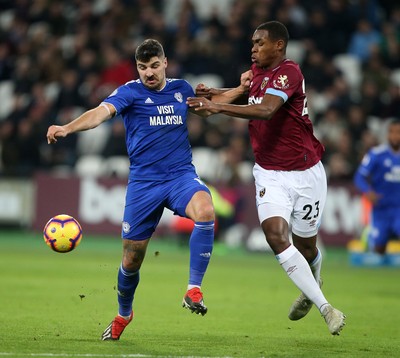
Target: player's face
x=394, y=136
x=265, y=53
x=152, y=73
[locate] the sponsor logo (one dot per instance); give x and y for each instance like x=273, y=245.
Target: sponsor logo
x=206, y=254
x=165, y=120
x=282, y=82
x=148, y=100
x=166, y=116
x=291, y=269
x=255, y=100
x=178, y=96
x=394, y=175
x=313, y=222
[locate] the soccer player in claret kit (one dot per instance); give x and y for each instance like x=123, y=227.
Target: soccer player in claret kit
x=161, y=175
x=290, y=180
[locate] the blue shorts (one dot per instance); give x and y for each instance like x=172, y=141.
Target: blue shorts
x=145, y=202
x=385, y=226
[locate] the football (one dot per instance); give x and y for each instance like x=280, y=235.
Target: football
x=62, y=233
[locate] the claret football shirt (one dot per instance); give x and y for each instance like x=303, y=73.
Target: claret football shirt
x=286, y=141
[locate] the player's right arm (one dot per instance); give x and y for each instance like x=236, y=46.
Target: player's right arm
x=362, y=178
x=88, y=120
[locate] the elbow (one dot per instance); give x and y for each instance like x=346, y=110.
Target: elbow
x=266, y=114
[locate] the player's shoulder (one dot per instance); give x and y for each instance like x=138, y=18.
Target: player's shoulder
x=179, y=85
x=133, y=83
x=379, y=150
x=288, y=70
x=178, y=82
x=289, y=65
x=288, y=62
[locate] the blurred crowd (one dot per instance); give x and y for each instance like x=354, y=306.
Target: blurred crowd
x=60, y=58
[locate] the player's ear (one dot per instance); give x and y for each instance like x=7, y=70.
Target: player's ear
x=165, y=62
x=280, y=45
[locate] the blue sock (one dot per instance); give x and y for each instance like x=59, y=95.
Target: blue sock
x=127, y=283
x=201, y=245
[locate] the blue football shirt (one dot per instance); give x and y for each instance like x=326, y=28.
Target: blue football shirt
x=380, y=171
x=157, y=138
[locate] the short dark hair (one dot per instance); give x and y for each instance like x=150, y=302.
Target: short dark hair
x=276, y=31
x=148, y=49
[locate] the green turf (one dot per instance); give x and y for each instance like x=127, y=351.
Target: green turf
x=55, y=304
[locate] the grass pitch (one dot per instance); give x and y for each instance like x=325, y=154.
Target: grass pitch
x=57, y=305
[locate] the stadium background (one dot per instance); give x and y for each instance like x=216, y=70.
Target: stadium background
x=59, y=58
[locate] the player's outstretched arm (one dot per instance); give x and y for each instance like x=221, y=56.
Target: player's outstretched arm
x=237, y=95
x=88, y=120
x=203, y=90
x=264, y=110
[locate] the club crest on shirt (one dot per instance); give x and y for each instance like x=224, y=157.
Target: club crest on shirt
x=264, y=82
x=178, y=96
x=262, y=192
x=282, y=82
x=387, y=163
x=126, y=227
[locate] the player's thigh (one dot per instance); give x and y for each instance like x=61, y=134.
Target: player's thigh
x=272, y=195
x=181, y=193
x=310, y=190
x=144, y=205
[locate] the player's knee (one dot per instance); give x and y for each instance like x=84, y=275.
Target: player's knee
x=277, y=240
x=131, y=263
x=205, y=213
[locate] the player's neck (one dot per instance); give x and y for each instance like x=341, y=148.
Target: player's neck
x=162, y=86
x=275, y=64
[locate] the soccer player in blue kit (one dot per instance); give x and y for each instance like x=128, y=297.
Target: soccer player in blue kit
x=378, y=177
x=161, y=174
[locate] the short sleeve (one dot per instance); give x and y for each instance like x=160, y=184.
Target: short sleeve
x=121, y=98
x=286, y=81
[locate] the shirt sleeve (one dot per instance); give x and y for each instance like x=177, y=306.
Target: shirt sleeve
x=285, y=82
x=121, y=98
x=361, y=177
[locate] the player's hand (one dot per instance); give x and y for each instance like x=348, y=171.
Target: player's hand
x=202, y=90
x=245, y=80
x=202, y=104
x=207, y=92
x=55, y=131
x=373, y=197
